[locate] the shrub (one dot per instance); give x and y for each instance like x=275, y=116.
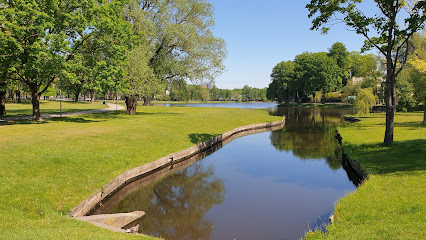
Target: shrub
x=365, y=101
x=333, y=97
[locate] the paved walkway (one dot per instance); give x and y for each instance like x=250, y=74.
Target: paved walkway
x=112, y=107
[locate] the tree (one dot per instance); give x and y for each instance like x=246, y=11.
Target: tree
x=363, y=65
x=283, y=86
x=181, y=44
x=405, y=89
x=340, y=54
x=418, y=61
x=140, y=78
x=365, y=101
x=392, y=36
x=317, y=72
x=204, y=93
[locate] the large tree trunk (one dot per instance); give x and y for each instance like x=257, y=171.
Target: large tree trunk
x=2, y=103
x=76, y=95
x=3, y=92
x=35, y=100
x=131, y=104
x=424, y=114
x=146, y=101
x=18, y=96
x=390, y=100
x=92, y=95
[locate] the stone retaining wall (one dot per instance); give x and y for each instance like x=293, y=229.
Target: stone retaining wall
x=89, y=203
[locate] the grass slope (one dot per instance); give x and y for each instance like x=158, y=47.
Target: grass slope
x=47, y=168
x=391, y=204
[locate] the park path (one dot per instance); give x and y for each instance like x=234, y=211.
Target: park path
x=111, y=107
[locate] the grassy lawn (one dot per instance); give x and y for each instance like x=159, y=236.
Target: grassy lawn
x=392, y=203
x=47, y=168
x=50, y=107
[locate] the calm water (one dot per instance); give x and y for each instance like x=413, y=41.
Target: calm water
x=257, y=105
x=270, y=185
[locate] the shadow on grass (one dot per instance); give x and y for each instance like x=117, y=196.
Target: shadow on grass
x=200, y=137
x=404, y=157
x=122, y=114
x=159, y=113
x=28, y=112
x=73, y=120
x=416, y=124
x=19, y=122
x=106, y=115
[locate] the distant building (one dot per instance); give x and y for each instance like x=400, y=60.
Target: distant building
x=208, y=84
x=356, y=80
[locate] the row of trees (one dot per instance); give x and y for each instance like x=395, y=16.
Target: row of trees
x=312, y=72
x=186, y=92
x=138, y=47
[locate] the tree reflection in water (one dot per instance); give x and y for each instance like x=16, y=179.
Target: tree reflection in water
x=310, y=134
x=175, y=206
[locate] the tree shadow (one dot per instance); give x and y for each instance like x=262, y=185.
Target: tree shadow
x=73, y=120
x=20, y=122
x=159, y=113
x=200, y=137
x=416, y=124
x=403, y=157
x=106, y=115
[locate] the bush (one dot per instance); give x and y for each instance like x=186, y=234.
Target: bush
x=365, y=101
x=333, y=97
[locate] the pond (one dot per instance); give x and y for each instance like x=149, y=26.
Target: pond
x=270, y=185
x=255, y=105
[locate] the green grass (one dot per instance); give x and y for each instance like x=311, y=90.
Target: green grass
x=391, y=204
x=50, y=107
x=48, y=168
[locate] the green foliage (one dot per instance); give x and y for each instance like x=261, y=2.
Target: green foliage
x=364, y=65
x=284, y=85
x=418, y=62
x=317, y=72
x=340, y=54
x=365, y=100
x=350, y=89
x=333, y=97
x=405, y=89
x=141, y=79
x=204, y=94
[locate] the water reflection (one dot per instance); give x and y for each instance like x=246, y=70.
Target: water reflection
x=176, y=206
x=263, y=186
x=309, y=134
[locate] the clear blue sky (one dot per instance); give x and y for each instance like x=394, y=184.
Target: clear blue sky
x=260, y=34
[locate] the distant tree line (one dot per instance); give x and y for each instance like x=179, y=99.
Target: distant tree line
x=186, y=92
